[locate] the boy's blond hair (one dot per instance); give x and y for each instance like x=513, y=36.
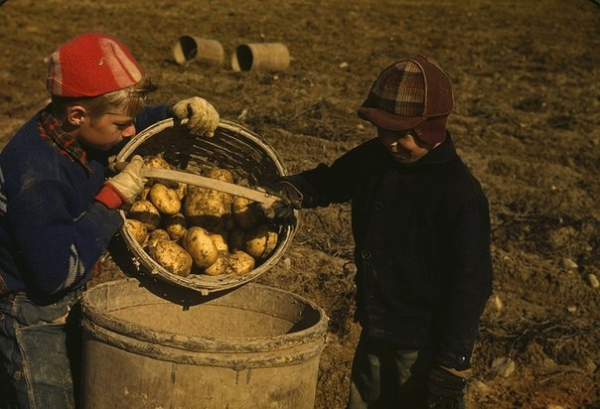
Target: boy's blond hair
x=132, y=99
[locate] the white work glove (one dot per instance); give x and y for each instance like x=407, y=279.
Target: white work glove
x=129, y=182
x=202, y=117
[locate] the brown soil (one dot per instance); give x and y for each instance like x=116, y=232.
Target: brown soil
x=527, y=122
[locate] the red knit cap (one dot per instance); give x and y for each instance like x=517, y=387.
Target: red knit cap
x=91, y=64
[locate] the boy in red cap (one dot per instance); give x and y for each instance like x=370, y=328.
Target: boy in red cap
x=421, y=227
x=58, y=211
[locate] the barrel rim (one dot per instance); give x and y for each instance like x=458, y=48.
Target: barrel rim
x=93, y=316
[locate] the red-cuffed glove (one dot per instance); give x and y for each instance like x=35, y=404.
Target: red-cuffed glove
x=125, y=186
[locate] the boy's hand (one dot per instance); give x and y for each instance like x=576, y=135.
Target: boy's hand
x=129, y=182
x=291, y=199
x=285, y=190
x=446, y=388
x=202, y=117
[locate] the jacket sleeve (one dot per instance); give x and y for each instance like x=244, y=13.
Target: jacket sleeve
x=336, y=183
x=150, y=116
x=470, y=284
x=57, y=251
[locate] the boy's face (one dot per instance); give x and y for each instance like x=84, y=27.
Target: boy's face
x=403, y=146
x=105, y=131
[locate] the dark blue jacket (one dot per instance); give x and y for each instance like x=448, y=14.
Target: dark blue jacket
x=422, y=236
x=52, y=230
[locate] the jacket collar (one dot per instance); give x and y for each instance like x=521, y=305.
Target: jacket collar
x=52, y=132
x=443, y=153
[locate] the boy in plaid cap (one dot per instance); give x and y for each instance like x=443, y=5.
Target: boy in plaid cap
x=58, y=211
x=421, y=227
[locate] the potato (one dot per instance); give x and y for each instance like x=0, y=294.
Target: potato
x=165, y=199
x=155, y=235
x=261, y=241
x=198, y=243
x=240, y=263
x=137, y=229
x=244, y=213
x=221, y=174
x=218, y=267
x=175, y=225
x=205, y=208
x=219, y=242
x=219, y=233
x=227, y=201
x=146, y=212
x=181, y=190
x=196, y=189
x=172, y=257
x=156, y=162
x=192, y=203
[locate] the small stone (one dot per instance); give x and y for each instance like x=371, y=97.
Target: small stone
x=344, y=65
x=497, y=303
x=480, y=387
x=503, y=366
x=569, y=264
x=590, y=366
x=243, y=114
x=572, y=308
x=593, y=280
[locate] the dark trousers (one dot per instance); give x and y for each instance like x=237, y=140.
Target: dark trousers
x=387, y=377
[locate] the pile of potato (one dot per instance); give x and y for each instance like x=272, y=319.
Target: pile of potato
x=192, y=230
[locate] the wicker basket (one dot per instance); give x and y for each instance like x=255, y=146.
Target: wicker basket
x=233, y=147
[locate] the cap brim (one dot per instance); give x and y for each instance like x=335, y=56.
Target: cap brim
x=430, y=130
x=389, y=121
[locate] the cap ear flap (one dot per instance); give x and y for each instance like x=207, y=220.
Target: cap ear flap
x=432, y=130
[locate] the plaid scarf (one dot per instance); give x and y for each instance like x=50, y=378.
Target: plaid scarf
x=68, y=145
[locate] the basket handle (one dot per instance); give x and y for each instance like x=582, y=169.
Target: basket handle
x=260, y=196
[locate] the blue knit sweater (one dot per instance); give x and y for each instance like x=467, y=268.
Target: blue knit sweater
x=52, y=230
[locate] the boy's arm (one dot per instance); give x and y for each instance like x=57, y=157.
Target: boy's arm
x=57, y=251
x=470, y=283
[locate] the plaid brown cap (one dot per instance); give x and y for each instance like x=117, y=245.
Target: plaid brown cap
x=414, y=94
